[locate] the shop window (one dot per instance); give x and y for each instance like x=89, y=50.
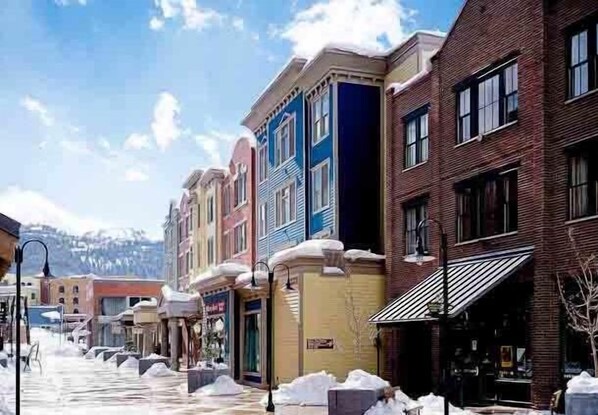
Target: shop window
x=61, y=289
x=416, y=138
x=583, y=181
x=487, y=205
x=251, y=355
x=415, y=212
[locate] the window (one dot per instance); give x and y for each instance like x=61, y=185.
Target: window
x=487, y=206
x=33, y=296
x=61, y=289
x=75, y=311
x=320, y=187
x=321, y=117
x=191, y=258
x=415, y=212
x=240, y=235
x=226, y=245
x=61, y=300
x=211, y=253
x=583, y=182
x=579, y=64
x=75, y=300
x=251, y=337
x=75, y=289
x=226, y=200
x=262, y=220
x=416, y=139
x=285, y=205
x=190, y=221
x=180, y=232
x=263, y=162
x=285, y=141
x=210, y=209
x=241, y=185
x=496, y=97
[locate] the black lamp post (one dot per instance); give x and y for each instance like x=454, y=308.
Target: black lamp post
x=269, y=318
x=422, y=255
x=46, y=270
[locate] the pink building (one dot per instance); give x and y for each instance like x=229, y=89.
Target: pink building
x=185, y=248
x=238, y=200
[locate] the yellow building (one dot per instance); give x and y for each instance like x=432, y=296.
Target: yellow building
x=191, y=184
x=30, y=287
x=321, y=324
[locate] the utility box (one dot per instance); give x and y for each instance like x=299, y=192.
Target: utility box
x=581, y=404
x=352, y=401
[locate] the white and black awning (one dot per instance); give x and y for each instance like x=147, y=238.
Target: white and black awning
x=469, y=279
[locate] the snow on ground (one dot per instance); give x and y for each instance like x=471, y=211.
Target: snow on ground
x=91, y=354
x=153, y=356
x=360, y=379
x=158, y=370
x=311, y=389
x=583, y=383
x=112, y=359
x=130, y=363
x=224, y=385
x=429, y=404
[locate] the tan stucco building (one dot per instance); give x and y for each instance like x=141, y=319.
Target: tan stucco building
x=73, y=292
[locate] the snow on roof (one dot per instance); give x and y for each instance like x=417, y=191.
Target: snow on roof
x=224, y=269
x=396, y=47
x=245, y=278
x=397, y=87
x=145, y=303
x=174, y=296
x=351, y=48
x=332, y=271
x=355, y=254
x=52, y=315
x=312, y=248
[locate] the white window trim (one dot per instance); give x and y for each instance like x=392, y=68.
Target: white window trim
x=280, y=189
x=259, y=164
x=282, y=124
x=237, y=225
x=313, y=172
x=312, y=123
x=265, y=235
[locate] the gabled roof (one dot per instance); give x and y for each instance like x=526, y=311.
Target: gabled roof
x=192, y=179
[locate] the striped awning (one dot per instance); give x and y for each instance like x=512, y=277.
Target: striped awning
x=469, y=279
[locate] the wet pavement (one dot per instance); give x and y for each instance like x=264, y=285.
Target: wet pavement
x=74, y=385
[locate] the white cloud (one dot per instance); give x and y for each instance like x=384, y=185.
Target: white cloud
x=136, y=175
x=39, y=109
x=78, y=147
x=104, y=144
x=30, y=207
x=372, y=24
x=69, y=2
x=137, y=141
x=194, y=17
x=165, y=125
x=209, y=144
x=238, y=23
x=156, y=24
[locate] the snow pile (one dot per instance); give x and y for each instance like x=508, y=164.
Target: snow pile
x=3, y=356
x=583, y=383
x=52, y=315
x=145, y=303
x=332, y=271
x=309, y=390
x=360, y=379
x=91, y=353
x=429, y=404
x=154, y=356
x=65, y=350
x=130, y=363
x=7, y=389
x=355, y=254
x=112, y=359
x=434, y=405
x=158, y=370
x=174, y=296
x=224, y=385
x=312, y=248
x=245, y=277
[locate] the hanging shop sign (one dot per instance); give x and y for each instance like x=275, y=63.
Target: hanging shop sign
x=216, y=307
x=320, y=344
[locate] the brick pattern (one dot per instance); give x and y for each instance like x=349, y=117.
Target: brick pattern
x=483, y=34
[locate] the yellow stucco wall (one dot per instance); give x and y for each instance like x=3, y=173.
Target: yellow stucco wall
x=286, y=336
x=327, y=314
x=405, y=70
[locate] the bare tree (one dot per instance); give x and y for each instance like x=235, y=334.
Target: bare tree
x=363, y=332
x=579, y=294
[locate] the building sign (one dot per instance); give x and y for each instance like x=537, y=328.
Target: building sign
x=318, y=344
x=218, y=320
x=216, y=307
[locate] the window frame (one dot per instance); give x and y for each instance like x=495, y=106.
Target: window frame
x=415, y=205
x=292, y=206
x=416, y=117
x=290, y=122
x=590, y=153
x=240, y=230
x=323, y=119
x=263, y=162
x=589, y=25
x=314, y=172
x=211, y=251
x=210, y=209
x=240, y=186
x=263, y=231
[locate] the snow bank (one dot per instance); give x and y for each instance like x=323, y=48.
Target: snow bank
x=312, y=248
x=355, y=254
x=434, y=405
x=429, y=404
x=158, y=370
x=583, y=383
x=224, y=385
x=91, y=353
x=332, y=271
x=130, y=363
x=174, y=296
x=52, y=315
x=112, y=359
x=3, y=356
x=309, y=390
x=154, y=356
x=360, y=379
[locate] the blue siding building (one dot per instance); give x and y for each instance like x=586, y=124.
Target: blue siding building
x=319, y=132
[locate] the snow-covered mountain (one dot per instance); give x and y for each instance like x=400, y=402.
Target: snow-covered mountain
x=103, y=252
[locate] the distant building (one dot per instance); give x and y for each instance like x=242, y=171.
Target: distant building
x=184, y=239
x=72, y=293
x=171, y=246
x=9, y=237
x=30, y=287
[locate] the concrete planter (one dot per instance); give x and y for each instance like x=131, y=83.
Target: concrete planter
x=198, y=377
x=581, y=404
x=352, y=401
x=109, y=353
x=4, y=363
x=145, y=364
x=121, y=357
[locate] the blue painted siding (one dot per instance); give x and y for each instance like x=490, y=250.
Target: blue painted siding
x=292, y=170
x=321, y=151
x=359, y=165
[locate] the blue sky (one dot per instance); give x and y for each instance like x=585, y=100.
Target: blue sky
x=107, y=105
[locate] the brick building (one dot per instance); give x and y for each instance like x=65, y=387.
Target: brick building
x=72, y=292
x=496, y=142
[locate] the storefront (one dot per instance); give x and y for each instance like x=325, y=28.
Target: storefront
x=489, y=339
x=217, y=307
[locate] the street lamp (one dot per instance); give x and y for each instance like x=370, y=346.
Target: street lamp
x=46, y=270
x=287, y=287
x=422, y=255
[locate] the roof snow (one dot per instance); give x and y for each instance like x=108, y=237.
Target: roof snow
x=398, y=87
x=174, y=296
x=355, y=254
x=245, y=278
x=312, y=248
x=224, y=269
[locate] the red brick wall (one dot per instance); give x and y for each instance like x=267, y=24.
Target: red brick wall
x=484, y=33
x=243, y=153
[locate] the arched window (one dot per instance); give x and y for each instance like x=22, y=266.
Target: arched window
x=61, y=300
x=75, y=300
x=61, y=289
x=75, y=311
x=75, y=289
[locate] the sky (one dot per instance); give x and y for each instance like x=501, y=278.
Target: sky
x=108, y=105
